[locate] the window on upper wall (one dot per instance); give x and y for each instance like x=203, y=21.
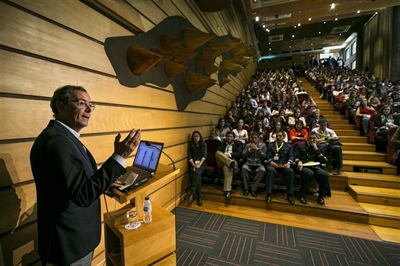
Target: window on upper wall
x=353, y=65
x=347, y=54
x=353, y=48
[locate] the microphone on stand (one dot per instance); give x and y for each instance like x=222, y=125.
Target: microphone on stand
x=148, y=143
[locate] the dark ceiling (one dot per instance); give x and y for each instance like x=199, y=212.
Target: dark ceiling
x=320, y=25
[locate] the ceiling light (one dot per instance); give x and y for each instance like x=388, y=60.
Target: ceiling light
x=295, y=26
x=333, y=6
x=335, y=19
x=293, y=36
x=299, y=24
x=309, y=19
x=257, y=18
x=358, y=11
x=263, y=25
x=319, y=32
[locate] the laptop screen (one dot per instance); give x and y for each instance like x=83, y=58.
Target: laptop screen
x=148, y=155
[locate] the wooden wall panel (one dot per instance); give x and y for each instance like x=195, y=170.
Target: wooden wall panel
x=63, y=11
x=26, y=32
x=47, y=44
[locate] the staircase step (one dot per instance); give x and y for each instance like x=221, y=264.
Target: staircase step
x=364, y=156
x=346, y=132
x=353, y=139
x=382, y=215
x=373, y=180
x=348, y=166
x=348, y=146
x=375, y=195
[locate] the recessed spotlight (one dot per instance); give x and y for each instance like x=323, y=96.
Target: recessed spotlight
x=270, y=49
x=295, y=26
x=293, y=36
x=335, y=19
x=257, y=18
x=264, y=26
x=333, y=6
x=309, y=19
x=358, y=11
x=324, y=22
x=299, y=24
x=319, y=32
x=311, y=44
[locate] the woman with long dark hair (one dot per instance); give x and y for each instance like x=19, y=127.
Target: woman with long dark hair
x=197, y=154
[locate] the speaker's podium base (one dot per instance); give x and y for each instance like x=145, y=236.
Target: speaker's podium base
x=152, y=243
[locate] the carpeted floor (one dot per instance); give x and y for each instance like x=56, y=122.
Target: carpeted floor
x=211, y=239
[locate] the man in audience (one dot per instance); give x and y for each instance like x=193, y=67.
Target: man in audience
x=254, y=155
x=307, y=156
x=280, y=160
x=227, y=156
x=328, y=140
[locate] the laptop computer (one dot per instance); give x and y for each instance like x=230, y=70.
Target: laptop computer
x=144, y=165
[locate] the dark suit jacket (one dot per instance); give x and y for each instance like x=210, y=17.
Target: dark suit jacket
x=237, y=149
x=68, y=187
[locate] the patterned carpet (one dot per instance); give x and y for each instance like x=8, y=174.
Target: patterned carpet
x=212, y=239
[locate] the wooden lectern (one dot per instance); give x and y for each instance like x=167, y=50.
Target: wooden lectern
x=152, y=243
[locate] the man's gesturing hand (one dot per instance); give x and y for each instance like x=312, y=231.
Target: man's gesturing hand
x=129, y=144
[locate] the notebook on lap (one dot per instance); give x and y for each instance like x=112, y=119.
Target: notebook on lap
x=144, y=165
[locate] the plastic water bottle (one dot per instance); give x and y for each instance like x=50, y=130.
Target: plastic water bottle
x=147, y=210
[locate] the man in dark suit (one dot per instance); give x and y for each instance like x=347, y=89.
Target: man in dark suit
x=307, y=152
x=68, y=184
x=280, y=160
x=228, y=154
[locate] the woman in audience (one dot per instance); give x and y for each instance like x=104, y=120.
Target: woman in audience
x=282, y=118
x=277, y=109
x=230, y=119
x=365, y=112
x=261, y=117
x=298, y=132
x=259, y=128
x=351, y=103
x=241, y=134
x=296, y=116
x=277, y=128
x=308, y=105
x=220, y=130
x=385, y=120
x=289, y=111
x=373, y=100
x=197, y=154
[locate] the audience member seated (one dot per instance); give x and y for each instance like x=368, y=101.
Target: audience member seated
x=289, y=111
x=328, y=140
x=298, y=133
x=227, y=156
x=296, y=116
x=314, y=119
x=373, y=100
x=365, y=112
x=277, y=109
x=259, y=128
x=275, y=129
x=241, y=134
x=280, y=118
x=396, y=97
x=220, y=130
x=306, y=154
x=246, y=117
x=253, y=155
x=395, y=142
x=230, y=120
x=260, y=117
x=385, y=120
x=265, y=109
x=279, y=160
x=351, y=104
x=308, y=105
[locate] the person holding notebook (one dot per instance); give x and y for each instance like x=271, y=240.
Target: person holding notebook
x=68, y=183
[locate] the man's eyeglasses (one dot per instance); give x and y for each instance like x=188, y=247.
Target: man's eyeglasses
x=82, y=104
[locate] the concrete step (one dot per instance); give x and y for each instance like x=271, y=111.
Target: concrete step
x=388, y=216
x=364, y=156
x=375, y=195
x=373, y=180
x=383, y=167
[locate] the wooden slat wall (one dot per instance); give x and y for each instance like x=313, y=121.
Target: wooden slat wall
x=45, y=44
